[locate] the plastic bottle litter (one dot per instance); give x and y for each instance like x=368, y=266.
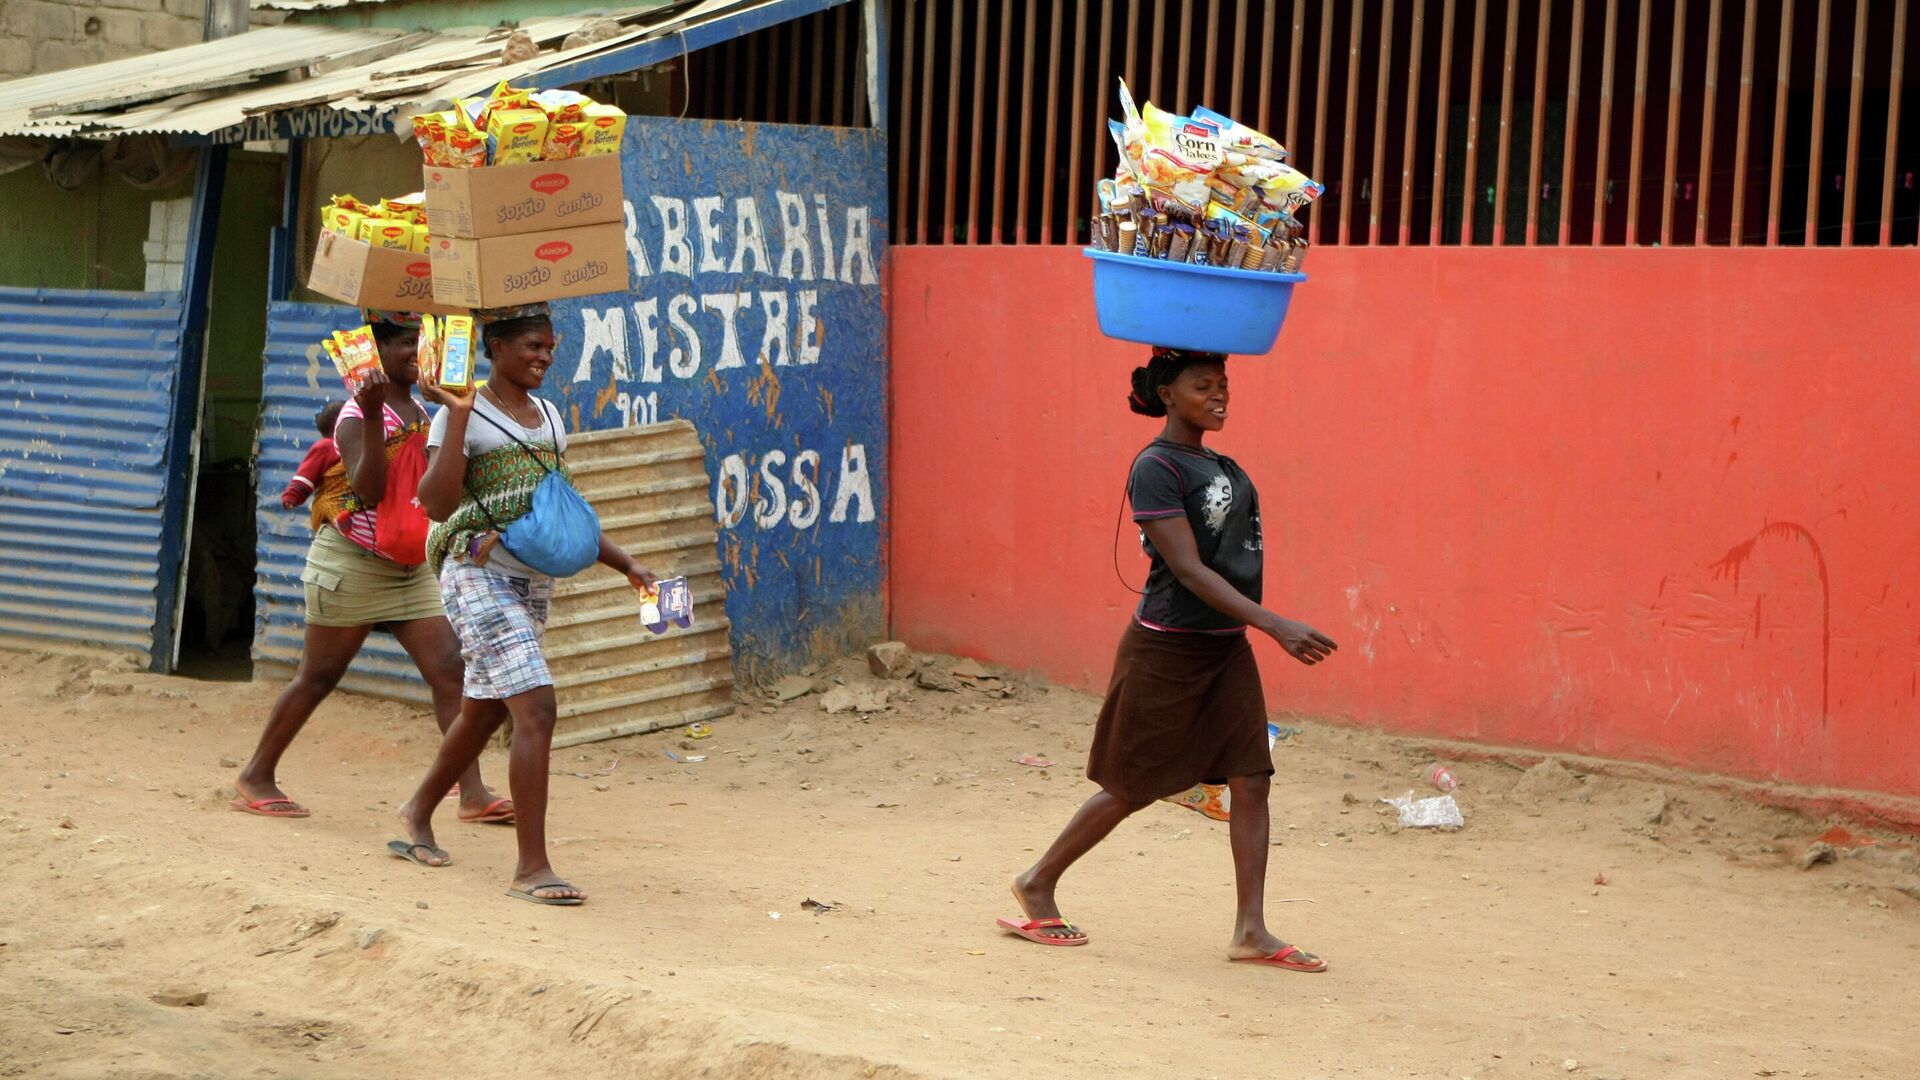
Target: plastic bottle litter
x=1442, y=778
x=1438, y=812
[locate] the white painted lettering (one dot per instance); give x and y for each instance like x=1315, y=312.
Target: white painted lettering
x=796, y=246
x=676, y=255
x=805, y=509
x=771, y=506
x=705, y=211
x=855, y=483
x=728, y=306
x=683, y=362
x=859, y=249
x=811, y=332
x=750, y=238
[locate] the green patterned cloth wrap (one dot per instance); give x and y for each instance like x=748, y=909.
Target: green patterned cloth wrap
x=503, y=480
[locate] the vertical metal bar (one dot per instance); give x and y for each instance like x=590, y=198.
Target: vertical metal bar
x=1213, y=37
x=979, y=126
x=1700, y=222
x=1819, y=123
x=1000, y=126
x=905, y=177
x=1443, y=112
x=1502, y=153
x=790, y=108
x=1293, y=68
x=1674, y=73
x=1323, y=77
x=1784, y=74
x=817, y=29
x=1853, y=120
x=1348, y=189
x=1025, y=174
x=1178, y=101
x=840, y=51
x=1539, y=121
x=1077, y=135
x=1133, y=43
x=1895, y=76
x=1467, y=198
x=751, y=92
x=1103, y=50
x=1053, y=121
x=1606, y=124
x=955, y=49
x=1738, y=226
x=1573, y=125
x=1410, y=140
x=1239, y=61
x=1156, y=41
x=1380, y=125
x=926, y=117
x=1639, y=121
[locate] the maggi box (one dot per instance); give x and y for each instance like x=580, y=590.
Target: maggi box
x=357, y=273
x=503, y=271
x=511, y=200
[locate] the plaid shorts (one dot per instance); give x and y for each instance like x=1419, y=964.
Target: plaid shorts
x=500, y=619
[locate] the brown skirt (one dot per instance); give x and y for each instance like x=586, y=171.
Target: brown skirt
x=1182, y=709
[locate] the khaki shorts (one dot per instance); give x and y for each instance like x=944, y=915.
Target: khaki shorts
x=347, y=585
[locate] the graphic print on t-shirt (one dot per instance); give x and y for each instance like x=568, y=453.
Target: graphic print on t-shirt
x=1219, y=500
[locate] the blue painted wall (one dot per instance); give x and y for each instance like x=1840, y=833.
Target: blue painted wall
x=775, y=349
x=758, y=311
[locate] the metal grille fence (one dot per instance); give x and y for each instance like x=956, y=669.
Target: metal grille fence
x=1617, y=122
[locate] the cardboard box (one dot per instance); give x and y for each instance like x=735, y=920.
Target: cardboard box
x=360, y=274
x=511, y=200
x=501, y=271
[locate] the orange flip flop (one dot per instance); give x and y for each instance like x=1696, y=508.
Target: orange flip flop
x=499, y=810
x=1030, y=929
x=1280, y=960
x=262, y=807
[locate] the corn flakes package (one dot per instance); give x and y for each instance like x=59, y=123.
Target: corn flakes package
x=1237, y=138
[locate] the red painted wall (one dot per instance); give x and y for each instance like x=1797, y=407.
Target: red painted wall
x=1658, y=505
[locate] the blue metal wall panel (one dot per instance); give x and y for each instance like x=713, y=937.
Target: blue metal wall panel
x=757, y=311
x=87, y=384
x=298, y=380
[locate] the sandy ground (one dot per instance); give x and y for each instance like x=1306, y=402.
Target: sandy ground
x=1487, y=953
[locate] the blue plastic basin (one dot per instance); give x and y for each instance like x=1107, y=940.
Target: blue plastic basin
x=1182, y=306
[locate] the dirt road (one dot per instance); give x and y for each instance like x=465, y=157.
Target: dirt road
x=1486, y=953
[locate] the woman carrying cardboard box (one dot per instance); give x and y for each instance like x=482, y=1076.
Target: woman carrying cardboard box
x=363, y=574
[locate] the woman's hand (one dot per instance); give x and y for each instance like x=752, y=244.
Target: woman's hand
x=372, y=395
x=1302, y=642
x=445, y=398
x=640, y=577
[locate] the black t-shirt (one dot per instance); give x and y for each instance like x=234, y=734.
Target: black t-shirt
x=1223, y=510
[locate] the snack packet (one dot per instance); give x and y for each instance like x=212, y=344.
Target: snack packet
x=1236, y=137
x=342, y=221
x=455, y=369
x=565, y=139
x=388, y=233
x=607, y=125
x=358, y=356
x=516, y=136
x=427, y=353
x=430, y=131
x=669, y=602
x=466, y=144
x=562, y=106
x=1176, y=149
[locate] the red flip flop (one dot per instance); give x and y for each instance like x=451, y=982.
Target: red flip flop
x=260, y=807
x=1031, y=931
x=493, y=813
x=1280, y=960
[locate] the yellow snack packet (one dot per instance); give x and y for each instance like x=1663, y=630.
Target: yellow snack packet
x=455, y=370
x=342, y=221
x=427, y=354
x=466, y=145
x=606, y=126
x=359, y=355
x=516, y=136
x=397, y=235
x=333, y=354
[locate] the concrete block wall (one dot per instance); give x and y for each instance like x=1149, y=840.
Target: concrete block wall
x=39, y=36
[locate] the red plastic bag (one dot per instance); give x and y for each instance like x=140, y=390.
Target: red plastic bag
x=400, y=526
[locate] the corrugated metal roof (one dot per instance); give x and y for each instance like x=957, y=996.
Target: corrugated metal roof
x=346, y=73
x=86, y=408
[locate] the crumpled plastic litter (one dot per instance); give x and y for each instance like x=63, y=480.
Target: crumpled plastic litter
x=1438, y=812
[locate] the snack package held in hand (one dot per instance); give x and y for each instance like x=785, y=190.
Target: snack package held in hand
x=606, y=126
x=516, y=136
x=668, y=603
x=357, y=357
x=427, y=353
x=456, y=353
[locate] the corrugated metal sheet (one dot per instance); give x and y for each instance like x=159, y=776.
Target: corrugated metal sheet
x=338, y=93
x=86, y=401
x=613, y=676
x=297, y=381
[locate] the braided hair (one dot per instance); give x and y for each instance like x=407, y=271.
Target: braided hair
x=1166, y=365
